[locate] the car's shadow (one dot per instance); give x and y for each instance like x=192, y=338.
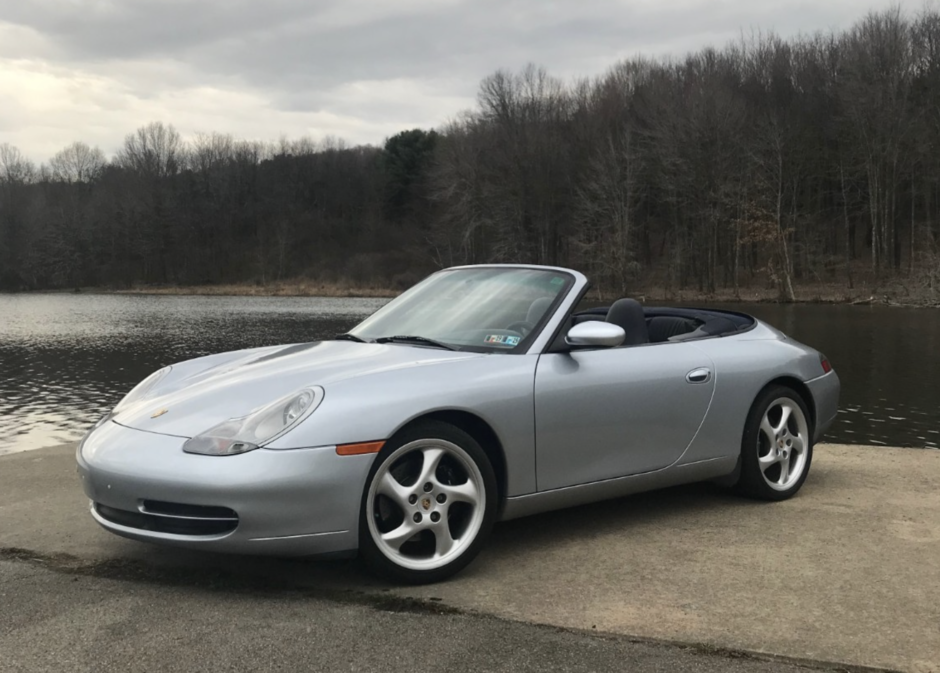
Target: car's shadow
x=602, y=517
x=594, y=523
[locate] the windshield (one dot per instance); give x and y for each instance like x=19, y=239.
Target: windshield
x=480, y=309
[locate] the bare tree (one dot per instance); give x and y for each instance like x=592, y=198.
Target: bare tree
x=769, y=162
x=153, y=150
x=77, y=163
x=14, y=167
x=876, y=90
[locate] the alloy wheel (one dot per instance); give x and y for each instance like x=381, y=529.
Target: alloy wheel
x=782, y=443
x=426, y=504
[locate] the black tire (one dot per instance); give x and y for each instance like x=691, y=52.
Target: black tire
x=427, y=435
x=760, y=478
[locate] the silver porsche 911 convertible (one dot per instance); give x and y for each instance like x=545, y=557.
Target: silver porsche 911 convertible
x=483, y=393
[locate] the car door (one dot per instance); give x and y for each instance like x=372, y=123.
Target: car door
x=612, y=412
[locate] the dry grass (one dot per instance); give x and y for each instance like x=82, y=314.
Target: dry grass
x=295, y=288
x=817, y=293
x=891, y=292
x=809, y=293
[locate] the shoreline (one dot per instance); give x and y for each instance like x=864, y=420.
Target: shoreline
x=808, y=294
x=299, y=288
x=310, y=289
x=819, y=294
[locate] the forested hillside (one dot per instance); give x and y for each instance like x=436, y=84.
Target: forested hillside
x=769, y=163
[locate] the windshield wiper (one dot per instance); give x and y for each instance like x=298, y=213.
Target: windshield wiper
x=415, y=339
x=349, y=337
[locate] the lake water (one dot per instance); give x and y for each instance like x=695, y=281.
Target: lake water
x=66, y=359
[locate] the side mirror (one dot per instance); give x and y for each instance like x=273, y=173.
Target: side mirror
x=595, y=333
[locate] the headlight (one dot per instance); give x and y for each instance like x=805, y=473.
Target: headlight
x=141, y=389
x=261, y=426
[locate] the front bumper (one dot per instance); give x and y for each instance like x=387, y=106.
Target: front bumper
x=297, y=502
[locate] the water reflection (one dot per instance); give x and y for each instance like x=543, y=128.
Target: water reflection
x=66, y=359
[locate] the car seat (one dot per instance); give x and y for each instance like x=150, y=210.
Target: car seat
x=663, y=327
x=628, y=313
x=537, y=310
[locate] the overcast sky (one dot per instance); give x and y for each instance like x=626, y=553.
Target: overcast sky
x=361, y=70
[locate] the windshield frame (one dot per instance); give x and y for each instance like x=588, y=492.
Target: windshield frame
x=570, y=282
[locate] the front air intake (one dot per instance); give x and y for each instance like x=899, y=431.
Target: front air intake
x=173, y=518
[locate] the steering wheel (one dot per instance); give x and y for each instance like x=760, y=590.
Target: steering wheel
x=521, y=326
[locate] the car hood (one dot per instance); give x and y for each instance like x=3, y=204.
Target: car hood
x=199, y=394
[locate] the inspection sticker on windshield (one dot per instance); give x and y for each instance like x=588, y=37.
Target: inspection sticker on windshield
x=502, y=339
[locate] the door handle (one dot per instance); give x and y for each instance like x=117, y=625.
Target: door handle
x=700, y=375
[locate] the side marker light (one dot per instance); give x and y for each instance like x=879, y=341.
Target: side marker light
x=359, y=449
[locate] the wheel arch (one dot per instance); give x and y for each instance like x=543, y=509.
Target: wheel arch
x=800, y=389
x=485, y=436
x=748, y=477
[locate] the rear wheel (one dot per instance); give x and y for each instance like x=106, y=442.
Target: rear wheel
x=777, y=447
x=428, y=506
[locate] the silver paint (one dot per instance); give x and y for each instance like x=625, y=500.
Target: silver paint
x=595, y=333
x=572, y=427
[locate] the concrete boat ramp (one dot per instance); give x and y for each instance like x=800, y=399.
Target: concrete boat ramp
x=845, y=575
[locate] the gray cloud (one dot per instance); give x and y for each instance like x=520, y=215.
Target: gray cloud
x=141, y=28
x=346, y=67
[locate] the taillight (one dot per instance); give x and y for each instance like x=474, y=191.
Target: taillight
x=824, y=361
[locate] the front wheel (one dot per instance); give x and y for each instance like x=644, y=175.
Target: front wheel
x=428, y=505
x=777, y=447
